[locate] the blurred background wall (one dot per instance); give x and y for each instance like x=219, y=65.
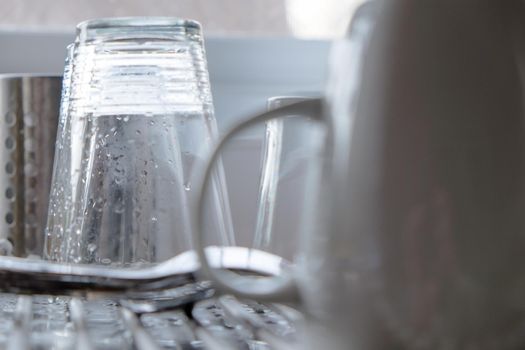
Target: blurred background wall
x=301, y=18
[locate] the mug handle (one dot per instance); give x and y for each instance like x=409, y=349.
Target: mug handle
x=280, y=288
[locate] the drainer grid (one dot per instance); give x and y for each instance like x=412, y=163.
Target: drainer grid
x=42, y=322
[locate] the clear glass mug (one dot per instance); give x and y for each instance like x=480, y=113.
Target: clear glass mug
x=414, y=230
x=136, y=117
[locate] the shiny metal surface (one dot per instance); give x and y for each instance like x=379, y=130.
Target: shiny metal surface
x=43, y=322
x=162, y=307
x=28, y=122
x=25, y=276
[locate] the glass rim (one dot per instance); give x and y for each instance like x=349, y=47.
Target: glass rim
x=140, y=21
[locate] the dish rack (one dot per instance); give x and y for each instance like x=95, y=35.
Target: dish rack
x=50, y=322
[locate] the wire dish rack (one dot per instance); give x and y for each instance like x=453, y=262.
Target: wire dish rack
x=51, y=322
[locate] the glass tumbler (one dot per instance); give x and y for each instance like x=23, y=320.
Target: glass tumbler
x=287, y=149
x=136, y=117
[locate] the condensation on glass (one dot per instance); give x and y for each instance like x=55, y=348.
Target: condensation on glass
x=136, y=117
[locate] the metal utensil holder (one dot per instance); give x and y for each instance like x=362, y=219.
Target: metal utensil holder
x=29, y=108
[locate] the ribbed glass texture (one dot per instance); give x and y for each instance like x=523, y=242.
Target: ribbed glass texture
x=136, y=117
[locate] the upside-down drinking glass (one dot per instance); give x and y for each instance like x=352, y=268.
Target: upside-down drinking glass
x=136, y=117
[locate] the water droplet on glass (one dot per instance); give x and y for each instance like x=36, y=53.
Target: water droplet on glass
x=119, y=208
x=151, y=122
x=154, y=219
x=91, y=248
x=187, y=186
x=139, y=132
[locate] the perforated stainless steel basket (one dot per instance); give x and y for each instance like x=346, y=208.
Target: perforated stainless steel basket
x=29, y=106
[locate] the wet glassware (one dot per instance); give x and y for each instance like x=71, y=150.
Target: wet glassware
x=286, y=153
x=136, y=117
